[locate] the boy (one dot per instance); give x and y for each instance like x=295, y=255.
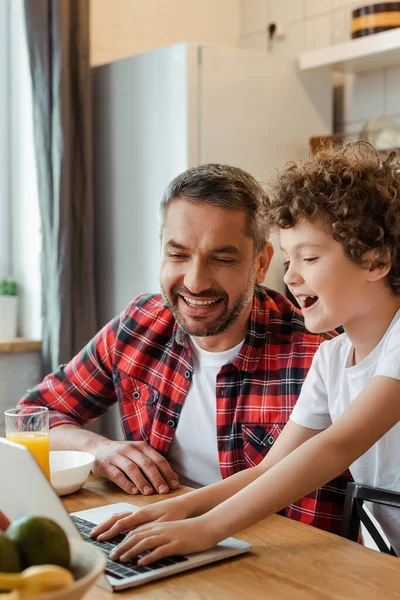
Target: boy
x=339, y=221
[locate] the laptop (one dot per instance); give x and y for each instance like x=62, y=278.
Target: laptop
x=24, y=490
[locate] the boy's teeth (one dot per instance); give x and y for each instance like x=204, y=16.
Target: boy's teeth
x=303, y=299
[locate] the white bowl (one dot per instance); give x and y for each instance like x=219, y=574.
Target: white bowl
x=87, y=563
x=69, y=470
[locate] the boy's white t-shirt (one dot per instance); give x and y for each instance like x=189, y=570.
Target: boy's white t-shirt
x=194, y=450
x=331, y=385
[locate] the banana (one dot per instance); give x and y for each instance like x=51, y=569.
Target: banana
x=37, y=579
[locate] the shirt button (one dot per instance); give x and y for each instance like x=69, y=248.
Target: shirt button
x=136, y=395
x=171, y=423
x=188, y=374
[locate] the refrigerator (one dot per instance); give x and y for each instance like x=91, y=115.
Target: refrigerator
x=159, y=113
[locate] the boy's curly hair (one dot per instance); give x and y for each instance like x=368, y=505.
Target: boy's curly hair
x=356, y=190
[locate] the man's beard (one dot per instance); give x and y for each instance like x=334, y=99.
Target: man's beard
x=221, y=323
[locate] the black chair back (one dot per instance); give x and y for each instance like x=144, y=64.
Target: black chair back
x=354, y=513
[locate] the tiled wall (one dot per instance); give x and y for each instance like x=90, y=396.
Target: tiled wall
x=312, y=24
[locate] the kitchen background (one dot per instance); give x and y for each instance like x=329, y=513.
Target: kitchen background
x=121, y=28
x=124, y=27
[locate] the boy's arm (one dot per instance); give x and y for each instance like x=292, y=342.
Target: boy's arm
x=372, y=414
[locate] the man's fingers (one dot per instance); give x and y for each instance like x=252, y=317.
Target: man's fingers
x=135, y=466
x=114, y=474
x=132, y=468
x=143, y=471
x=169, y=476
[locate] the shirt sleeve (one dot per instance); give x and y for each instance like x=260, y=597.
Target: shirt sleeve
x=389, y=361
x=311, y=409
x=82, y=390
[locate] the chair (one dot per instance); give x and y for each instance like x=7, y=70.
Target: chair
x=354, y=512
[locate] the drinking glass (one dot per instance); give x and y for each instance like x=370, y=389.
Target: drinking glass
x=29, y=426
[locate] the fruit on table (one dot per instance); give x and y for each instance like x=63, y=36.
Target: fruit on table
x=40, y=541
x=4, y=522
x=10, y=561
x=36, y=580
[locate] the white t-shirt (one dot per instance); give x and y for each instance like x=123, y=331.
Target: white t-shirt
x=194, y=451
x=331, y=385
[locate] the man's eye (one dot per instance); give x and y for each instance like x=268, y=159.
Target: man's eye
x=176, y=256
x=225, y=261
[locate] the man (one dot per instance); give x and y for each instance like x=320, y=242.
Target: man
x=206, y=374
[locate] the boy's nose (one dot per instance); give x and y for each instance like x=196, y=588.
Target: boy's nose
x=292, y=277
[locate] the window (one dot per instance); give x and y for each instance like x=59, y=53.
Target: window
x=20, y=238
x=5, y=222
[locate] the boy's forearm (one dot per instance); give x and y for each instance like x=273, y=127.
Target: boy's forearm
x=286, y=482
x=204, y=499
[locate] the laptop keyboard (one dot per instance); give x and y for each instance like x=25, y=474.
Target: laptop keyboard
x=117, y=569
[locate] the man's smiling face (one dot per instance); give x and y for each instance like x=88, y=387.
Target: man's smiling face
x=209, y=269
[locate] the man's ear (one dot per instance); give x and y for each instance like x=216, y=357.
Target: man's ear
x=263, y=261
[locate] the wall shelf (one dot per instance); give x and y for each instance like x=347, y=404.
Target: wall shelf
x=378, y=51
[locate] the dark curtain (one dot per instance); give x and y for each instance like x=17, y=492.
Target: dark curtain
x=58, y=45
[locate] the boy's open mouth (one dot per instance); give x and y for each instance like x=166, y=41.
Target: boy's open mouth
x=307, y=301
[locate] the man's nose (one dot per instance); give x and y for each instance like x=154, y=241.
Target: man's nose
x=197, y=278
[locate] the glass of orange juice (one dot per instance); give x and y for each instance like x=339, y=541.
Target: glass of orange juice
x=29, y=426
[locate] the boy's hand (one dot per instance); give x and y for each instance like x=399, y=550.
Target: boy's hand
x=174, y=509
x=166, y=539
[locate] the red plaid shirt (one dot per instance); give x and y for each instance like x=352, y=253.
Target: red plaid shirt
x=142, y=360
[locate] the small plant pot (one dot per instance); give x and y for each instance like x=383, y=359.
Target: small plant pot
x=8, y=316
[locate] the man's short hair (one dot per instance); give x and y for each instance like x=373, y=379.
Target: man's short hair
x=226, y=187
x=355, y=190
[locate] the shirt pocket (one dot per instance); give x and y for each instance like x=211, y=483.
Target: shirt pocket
x=137, y=402
x=258, y=439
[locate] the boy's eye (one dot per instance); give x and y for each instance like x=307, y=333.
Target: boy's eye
x=310, y=259
x=286, y=265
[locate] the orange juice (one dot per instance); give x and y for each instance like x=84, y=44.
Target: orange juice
x=39, y=445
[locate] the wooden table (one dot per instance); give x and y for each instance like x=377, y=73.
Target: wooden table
x=289, y=560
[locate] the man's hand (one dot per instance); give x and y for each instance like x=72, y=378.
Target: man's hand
x=133, y=466
x=166, y=539
x=174, y=509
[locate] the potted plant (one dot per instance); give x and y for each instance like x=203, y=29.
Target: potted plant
x=8, y=308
